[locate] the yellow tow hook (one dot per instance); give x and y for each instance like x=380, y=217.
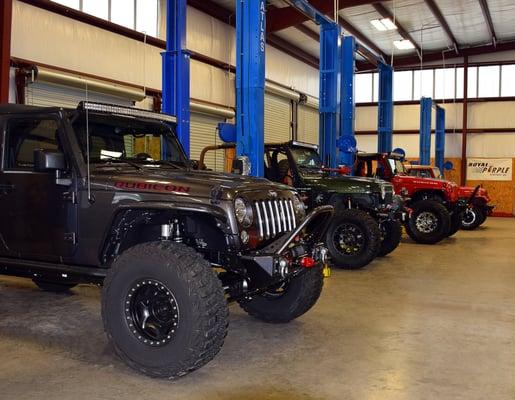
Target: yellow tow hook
x=326, y=271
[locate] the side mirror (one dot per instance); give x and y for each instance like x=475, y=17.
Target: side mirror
x=48, y=160
x=241, y=166
x=194, y=164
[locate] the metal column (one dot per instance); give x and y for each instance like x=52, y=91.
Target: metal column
x=346, y=143
x=440, y=138
x=385, y=109
x=250, y=82
x=5, y=48
x=329, y=101
x=176, y=70
x=426, y=106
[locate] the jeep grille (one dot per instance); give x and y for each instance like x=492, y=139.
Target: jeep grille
x=274, y=217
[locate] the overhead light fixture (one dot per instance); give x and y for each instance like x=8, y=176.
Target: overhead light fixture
x=384, y=24
x=403, y=44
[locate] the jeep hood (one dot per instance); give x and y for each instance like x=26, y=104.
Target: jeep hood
x=466, y=191
x=428, y=182
x=345, y=184
x=180, y=182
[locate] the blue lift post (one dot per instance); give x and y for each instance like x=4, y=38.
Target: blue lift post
x=440, y=138
x=385, y=108
x=250, y=82
x=426, y=106
x=176, y=70
x=330, y=91
x=346, y=143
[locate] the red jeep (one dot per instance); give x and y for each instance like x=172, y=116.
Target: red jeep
x=478, y=209
x=436, y=206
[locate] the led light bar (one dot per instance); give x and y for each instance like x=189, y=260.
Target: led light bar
x=303, y=144
x=125, y=111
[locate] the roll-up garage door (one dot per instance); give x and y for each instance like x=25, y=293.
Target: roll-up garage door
x=49, y=95
x=277, y=119
x=203, y=133
x=307, y=124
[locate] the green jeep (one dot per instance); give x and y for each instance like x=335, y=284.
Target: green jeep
x=368, y=213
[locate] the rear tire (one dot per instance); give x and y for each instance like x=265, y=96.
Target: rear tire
x=484, y=217
x=289, y=301
x=456, y=219
x=429, y=222
x=353, y=239
x=472, y=218
x=55, y=287
x=164, y=309
x=391, y=233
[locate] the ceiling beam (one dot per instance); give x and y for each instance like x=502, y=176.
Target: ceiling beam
x=362, y=50
x=443, y=23
x=282, y=18
x=346, y=25
x=437, y=55
x=385, y=13
x=5, y=48
x=229, y=17
x=488, y=19
x=308, y=32
x=215, y=10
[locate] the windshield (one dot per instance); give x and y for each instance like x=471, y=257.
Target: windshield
x=115, y=139
x=397, y=166
x=437, y=173
x=307, y=160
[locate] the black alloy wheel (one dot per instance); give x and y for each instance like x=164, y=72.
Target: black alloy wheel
x=152, y=312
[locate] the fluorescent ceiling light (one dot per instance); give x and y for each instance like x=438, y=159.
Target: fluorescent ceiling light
x=389, y=24
x=384, y=24
x=403, y=44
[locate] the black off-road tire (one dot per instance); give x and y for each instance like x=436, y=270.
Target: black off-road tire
x=197, y=292
x=391, y=234
x=484, y=217
x=456, y=219
x=370, y=236
x=472, y=218
x=442, y=218
x=55, y=287
x=295, y=298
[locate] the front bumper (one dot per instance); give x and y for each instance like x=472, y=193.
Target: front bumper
x=284, y=255
x=397, y=210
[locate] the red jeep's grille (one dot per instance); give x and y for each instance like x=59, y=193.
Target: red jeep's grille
x=274, y=217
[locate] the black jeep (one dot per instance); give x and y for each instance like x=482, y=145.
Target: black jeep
x=105, y=194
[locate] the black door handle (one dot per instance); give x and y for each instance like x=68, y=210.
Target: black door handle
x=6, y=188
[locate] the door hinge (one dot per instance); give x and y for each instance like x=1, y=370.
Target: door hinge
x=70, y=237
x=70, y=196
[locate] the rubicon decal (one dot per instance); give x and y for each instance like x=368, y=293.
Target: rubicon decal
x=152, y=187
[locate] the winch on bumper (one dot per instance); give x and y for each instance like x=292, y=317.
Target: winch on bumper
x=291, y=253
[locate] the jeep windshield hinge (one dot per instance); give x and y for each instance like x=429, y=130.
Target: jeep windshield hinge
x=70, y=196
x=70, y=237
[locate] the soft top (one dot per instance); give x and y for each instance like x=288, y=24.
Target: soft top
x=23, y=108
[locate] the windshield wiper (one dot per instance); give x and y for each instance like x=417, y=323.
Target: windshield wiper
x=168, y=163
x=121, y=160
x=310, y=167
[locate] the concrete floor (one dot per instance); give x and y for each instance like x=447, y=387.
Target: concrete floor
x=427, y=322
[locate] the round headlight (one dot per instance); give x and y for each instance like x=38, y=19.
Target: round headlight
x=243, y=212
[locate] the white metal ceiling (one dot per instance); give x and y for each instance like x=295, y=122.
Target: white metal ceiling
x=464, y=18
